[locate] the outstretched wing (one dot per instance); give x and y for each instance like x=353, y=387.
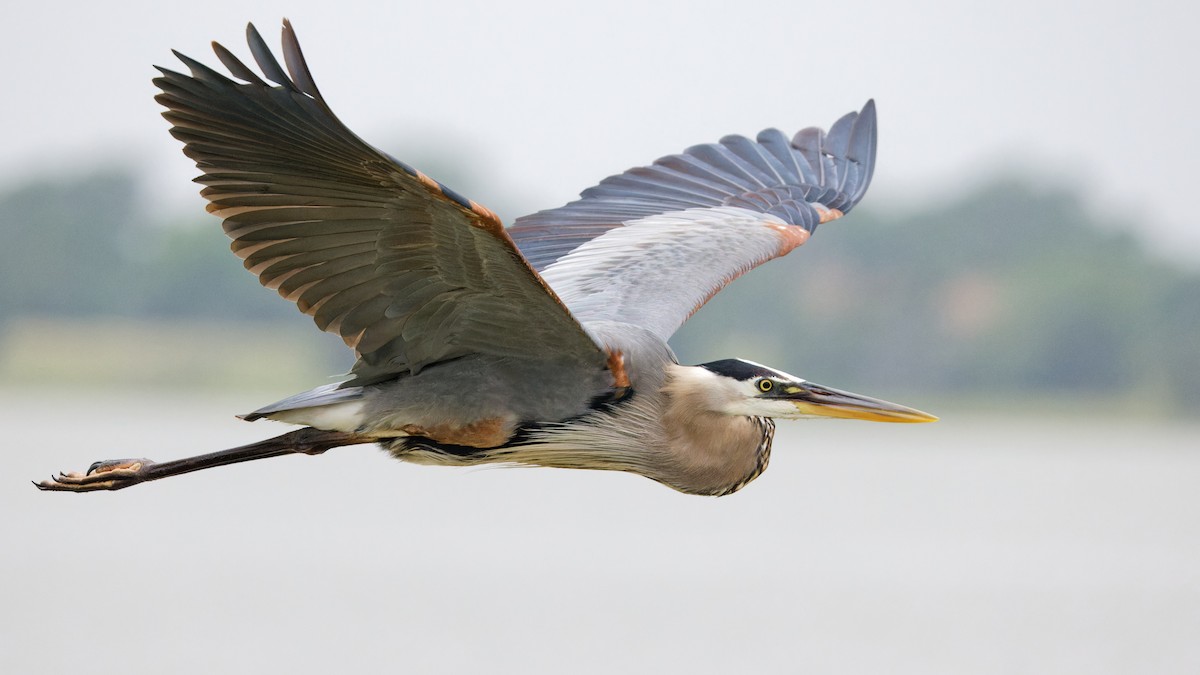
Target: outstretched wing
x=650, y=246
x=406, y=271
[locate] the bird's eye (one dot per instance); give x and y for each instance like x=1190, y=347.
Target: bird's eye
x=765, y=385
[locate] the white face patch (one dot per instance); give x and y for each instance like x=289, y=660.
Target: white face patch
x=730, y=396
x=750, y=402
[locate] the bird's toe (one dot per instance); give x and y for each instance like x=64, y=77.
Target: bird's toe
x=112, y=474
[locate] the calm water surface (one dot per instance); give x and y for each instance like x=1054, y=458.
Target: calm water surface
x=976, y=545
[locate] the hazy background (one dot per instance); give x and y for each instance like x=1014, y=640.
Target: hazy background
x=1027, y=265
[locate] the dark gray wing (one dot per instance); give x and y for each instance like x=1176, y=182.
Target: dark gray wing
x=800, y=181
x=406, y=271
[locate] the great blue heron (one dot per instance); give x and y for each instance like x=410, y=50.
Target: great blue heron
x=544, y=344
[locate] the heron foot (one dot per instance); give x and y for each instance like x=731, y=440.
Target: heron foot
x=112, y=474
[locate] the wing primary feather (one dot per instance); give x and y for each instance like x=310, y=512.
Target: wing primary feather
x=703, y=172
x=647, y=182
x=772, y=172
x=720, y=158
x=837, y=146
x=679, y=181
x=297, y=66
x=809, y=142
x=266, y=60
x=235, y=65
x=780, y=148
x=863, y=141
x=201, y=72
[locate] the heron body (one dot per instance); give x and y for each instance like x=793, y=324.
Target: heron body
x=541, y=344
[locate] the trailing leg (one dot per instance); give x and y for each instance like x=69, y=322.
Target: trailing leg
x=115, y=474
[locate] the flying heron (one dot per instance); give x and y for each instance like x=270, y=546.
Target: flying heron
x=542, y=344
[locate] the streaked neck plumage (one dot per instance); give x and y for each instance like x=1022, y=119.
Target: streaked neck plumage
x=712, y=451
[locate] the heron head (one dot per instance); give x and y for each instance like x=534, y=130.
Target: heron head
x=747, y=388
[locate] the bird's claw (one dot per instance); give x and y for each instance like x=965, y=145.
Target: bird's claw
x=112, y=474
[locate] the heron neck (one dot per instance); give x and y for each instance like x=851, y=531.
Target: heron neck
x=711, y=452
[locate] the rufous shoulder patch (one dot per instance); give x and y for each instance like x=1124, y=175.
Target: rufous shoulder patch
x=616, y=366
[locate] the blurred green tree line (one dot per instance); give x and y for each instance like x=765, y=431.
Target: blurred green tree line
x=1011, y=291
x=80, y=248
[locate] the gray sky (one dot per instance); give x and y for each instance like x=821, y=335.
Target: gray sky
x=542, y=99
